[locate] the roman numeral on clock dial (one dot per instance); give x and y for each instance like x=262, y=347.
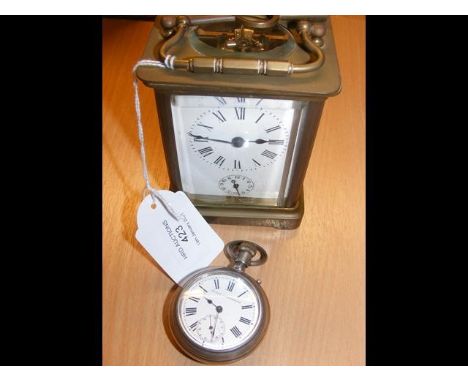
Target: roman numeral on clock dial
x=221, y=100
x=219, y=115
x=240, y=112
x=247, y=306
x=276, y=142
x=273, y=129
x=206, y=151
x=219, y=161
x=259, y=118
x=194, y=299
x=202, y=125
x=269, y=154
x=237, y=164
x=216, y=283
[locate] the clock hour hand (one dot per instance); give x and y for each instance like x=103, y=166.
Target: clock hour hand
x=202, y=138
x=271, y=141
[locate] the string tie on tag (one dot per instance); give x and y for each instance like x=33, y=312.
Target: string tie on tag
x=154, y=192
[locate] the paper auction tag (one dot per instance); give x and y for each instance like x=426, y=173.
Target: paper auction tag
x=180, y=247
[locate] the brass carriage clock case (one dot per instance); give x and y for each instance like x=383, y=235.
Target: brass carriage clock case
x=274, y=58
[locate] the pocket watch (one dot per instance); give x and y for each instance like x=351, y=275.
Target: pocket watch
x=220, y=314
x=239, y=103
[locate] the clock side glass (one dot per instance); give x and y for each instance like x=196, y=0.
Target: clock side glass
x=234, y=149
x=219, y=311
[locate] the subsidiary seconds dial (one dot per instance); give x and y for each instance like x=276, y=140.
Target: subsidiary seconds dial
x=238, y=138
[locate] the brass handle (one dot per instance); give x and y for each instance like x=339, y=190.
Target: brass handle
x=243, y=65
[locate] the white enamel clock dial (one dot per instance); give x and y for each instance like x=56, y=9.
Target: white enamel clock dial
x=219, y=311
x=221, y=138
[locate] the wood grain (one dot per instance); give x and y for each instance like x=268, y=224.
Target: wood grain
x=315, y=276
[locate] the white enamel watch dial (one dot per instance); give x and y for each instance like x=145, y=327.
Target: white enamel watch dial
x=221, y=137
x=219, y=311
x=221, y=314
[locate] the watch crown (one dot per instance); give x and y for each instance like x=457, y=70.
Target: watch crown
x=241, y=253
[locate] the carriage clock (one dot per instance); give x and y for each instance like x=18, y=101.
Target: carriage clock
x=239, y=103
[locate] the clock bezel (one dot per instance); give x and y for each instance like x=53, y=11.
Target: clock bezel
x=286, y=216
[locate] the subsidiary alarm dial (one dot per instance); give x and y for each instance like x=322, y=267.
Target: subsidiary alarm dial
x=236, y=185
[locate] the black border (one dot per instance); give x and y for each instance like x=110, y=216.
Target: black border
x=51, y=267
x=51, y=274
x=415, y=281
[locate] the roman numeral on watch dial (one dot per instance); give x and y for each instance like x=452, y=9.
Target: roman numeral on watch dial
x=194, y=325
x=245, y=320
x=221, y=100
x=247, y=306
x=230, y=286
x=235, y=330
x=194, y=299
x=237, y=164
x=216, y=283
x=190, y=311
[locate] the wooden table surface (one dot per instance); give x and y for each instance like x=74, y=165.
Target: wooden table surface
x=315, y=276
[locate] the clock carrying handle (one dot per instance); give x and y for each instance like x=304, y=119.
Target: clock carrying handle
x=240, y=65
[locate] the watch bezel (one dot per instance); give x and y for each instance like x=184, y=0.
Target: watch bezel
x=201, y=354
